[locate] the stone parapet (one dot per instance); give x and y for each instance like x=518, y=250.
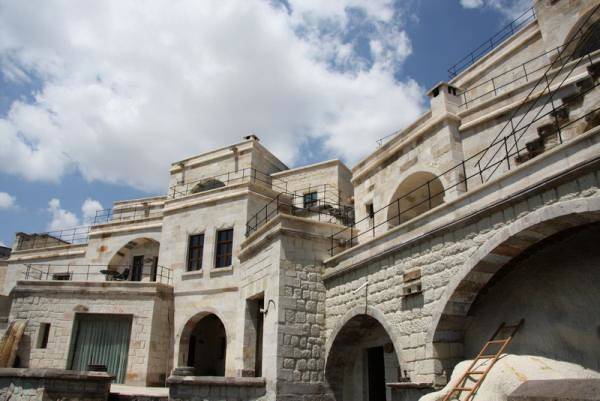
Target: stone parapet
x=50, y=384
x=209, y=388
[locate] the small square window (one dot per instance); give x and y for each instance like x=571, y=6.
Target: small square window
x=195, y=250
x=310, y=200
x=224, y=248
x=43, y=335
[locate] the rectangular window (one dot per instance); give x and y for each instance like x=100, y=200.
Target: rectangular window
x=310, y=200
x=195, y=249
x=224, y=248
x=370, y=210
x=43, y=335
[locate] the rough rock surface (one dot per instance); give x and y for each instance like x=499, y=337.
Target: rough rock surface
x=509, y=372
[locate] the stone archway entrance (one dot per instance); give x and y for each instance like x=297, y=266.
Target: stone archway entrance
x=137, y=260
x=362, y=359
x=203, y=345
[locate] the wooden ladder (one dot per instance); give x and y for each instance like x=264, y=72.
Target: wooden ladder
x=479, y=375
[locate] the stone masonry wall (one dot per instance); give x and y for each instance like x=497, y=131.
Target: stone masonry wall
x=52, y=384
x=302, y=308
x=47, y=302
x=439, y=258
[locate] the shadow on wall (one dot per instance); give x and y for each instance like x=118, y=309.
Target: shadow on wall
x=418, y=193
x=361, y=361
x=555, y=287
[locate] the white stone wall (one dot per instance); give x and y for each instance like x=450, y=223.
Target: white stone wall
x=439, y=258
x=58, y=303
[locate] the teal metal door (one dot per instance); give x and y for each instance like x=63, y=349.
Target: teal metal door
x=101, y=340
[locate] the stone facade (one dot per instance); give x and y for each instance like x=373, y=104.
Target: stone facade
x=53, y=384
x=304, y=301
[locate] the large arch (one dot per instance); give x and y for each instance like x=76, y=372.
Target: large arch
x=203, y=344
x=479, y=297
x=136, y=260
x=419, y=192
x=579, y=47
x=361, y=356
x=450, y=312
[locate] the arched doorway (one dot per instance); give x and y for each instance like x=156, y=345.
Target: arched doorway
x=203, y=345
x=361, y=360
x=136, y=261
x=418, y=193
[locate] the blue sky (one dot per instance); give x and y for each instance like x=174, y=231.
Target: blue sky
x=96, y=100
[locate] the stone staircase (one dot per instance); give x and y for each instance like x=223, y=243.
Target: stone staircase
x=548, y=132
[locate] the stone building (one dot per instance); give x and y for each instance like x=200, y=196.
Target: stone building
x=248, y=280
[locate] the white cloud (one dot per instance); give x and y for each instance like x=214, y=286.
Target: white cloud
x=471, y=3
x=7, y=201
x=511, y=9
x=61, y=218
x=2, y=244
x=89, y=209
x=128, y=87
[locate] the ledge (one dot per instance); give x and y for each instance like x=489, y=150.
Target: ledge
x=410, y=385
x=217, y=381
x=54, y=374
x=92, y=287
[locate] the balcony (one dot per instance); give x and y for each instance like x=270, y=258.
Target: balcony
x=245, y=175
x=95, y=273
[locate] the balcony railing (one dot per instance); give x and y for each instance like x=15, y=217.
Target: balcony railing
x=68, y=236
x=505, y=146
x=326, y=207
x=93, y=272
x=222, y=180
x=136, y=212
x=530, y=70
x=492, y=42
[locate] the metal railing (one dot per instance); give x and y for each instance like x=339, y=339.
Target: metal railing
x=68, y=236
x=327, y=207
x=136, y=212
x=507, y=143
x=92, y=272
x=517, y=73
x=247, y=174
x=545, y=81
x=492, y=42
x=462, y=183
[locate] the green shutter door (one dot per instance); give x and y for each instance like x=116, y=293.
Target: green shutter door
x=101, y=340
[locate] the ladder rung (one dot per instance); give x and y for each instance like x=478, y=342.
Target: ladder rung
x=497, y=341
x=477, y=372
x=462, y=389
x=486, y=356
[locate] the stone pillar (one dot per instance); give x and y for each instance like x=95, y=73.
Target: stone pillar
x=448, y=152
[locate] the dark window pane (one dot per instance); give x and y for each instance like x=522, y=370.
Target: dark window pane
x=310, y=200
x=224, y=248
x=196, y=248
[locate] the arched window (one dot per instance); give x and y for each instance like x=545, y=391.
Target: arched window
x=206, y=185
x=418, y=193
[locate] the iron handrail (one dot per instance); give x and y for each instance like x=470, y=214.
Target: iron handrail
x=542, y=80
x=248, y=174
x=126, y=213
x=294, y=203
x=461, y=183
x=491, y=43
x=67, y=236
x=496, y=88
x=69, y=272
